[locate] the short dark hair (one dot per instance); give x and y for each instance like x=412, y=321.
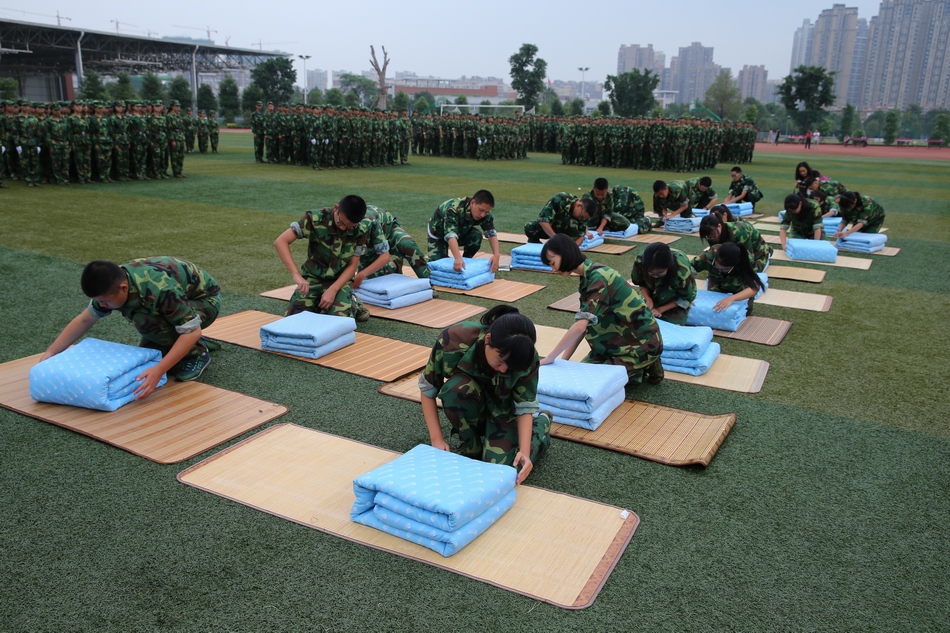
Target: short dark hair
x=792, y=201
x=709, y=224
x=849, y=199
x=483, y=196
x=513, y=336
x=737, y=256
x=808, y=182
x=600, y=184
x=563, y=246
x=353, y=207
x=737, y=169
x=723, y=212
x=658, y=185
x=705, y=181
x=591, y=206
x=101, y=277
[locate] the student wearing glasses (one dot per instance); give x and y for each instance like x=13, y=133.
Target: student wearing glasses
x=730, y=271
x=336, y=239
x=666, y=281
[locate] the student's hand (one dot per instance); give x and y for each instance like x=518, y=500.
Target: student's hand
x=838, y=234
x=588, y=235
x=547, y=360
x=357, y=280
x=526, y=466
x=326, y=299
x=495, y=262
x=303, y=286
x=149, y=378
x=600, y=231
x=459, y=265
x=442, y=445
x=722, y=304
x=656, y=313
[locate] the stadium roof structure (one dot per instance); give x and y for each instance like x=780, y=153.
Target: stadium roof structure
x=42, y=48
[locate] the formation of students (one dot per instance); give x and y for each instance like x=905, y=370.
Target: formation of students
x=85, y=141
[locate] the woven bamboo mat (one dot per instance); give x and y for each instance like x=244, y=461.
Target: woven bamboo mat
x=371, y=356
x=283, y=294
x=434, y=313
x=505, y=290
x=887, y=251
x=177, y=422
x=775, y=271
x=306, y=476
x=856, y=263
x=789, y=299
x=604, y=249
x=731, y=373
x=661, y=434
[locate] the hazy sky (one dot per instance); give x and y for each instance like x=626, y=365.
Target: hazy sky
x=451, y=39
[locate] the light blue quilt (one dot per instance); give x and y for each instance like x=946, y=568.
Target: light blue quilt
x=477, y=272
x=683, y=225
x=696, y=367
x=434, y=498
x=92, y=374
x=588, y=421
x=741, y=209
x=831, y=224
x=701, y=213
x=581, y=387
x=631, y=230
x=862, y=242
x=308, y=334
x=684, y=341
x=811, y=250
x=701, y=313
x=528, y=256
x=591, y=242
x=389, y=287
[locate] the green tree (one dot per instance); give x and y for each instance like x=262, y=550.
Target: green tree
x=892, y=121
x=806, y=93
x=363, y=87
x=603, y=108
x=723, y=97
x=152, y=88
x=751, y=114
x=421, y=105
x=675, y=110
x=942, y=128
x=351, y=100
x=252, y=94
x=180, y=90
x=874, y=124
x=527, y=75
x=912, y=121
x=91, y=86
x=428, y=96
x=315, y=97
x=206, y=100
x=334, y=97
x=276, y=78
x=9, y=88
x=631, y=93
x=121, y=89
x=847, y=121
x=557, y=108
x=930, y=121
x=461, y=100
x=576, y=107
x=229, y=99
x=400, y=101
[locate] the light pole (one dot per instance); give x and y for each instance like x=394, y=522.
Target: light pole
x=306, y=79
x=583, y=70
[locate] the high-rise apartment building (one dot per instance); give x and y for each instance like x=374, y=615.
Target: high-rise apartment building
x=833, y=42
x=692, y=71
x=801, y=45
x=642, y=57
x=753, y=81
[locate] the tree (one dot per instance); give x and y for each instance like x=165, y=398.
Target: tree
x=847, y=121
x=315, y=97
x=334, y=97
x=252, y=94
x=229, y=100
x=930, y=120
x=276, y=78
x=92, y=87
x=576, y=107
x=152, y=88
x=180, y=90
x=206, y=100
x=9, y=88
x=603, y=108
x=428, y=96
x=351, y=100
x=557, y=108
x=421, y=105
x=806, y=92
x=912, y=121
x=892, y=122
x=461, y=100
x=381, y=73
x=676, y=110
x=400, y=101
x=723, y=97
x=751, y=114
x=121, y=89
x=363, y=87
x=942, y=128
x=631, y=94
x=874, y=124
x=527, y=75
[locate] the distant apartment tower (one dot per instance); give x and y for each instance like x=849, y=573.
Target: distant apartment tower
x=317, y=79
x=833, y=44
x=692, y=71
x=753, y=82
x=801, y=45
x=644, y=58
x=908, y=56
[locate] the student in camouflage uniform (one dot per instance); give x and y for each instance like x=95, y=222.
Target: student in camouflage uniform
x=57, y=142
x=700, y=193
x=613, y=318
x=168, y=300
x=666, y=281
x=158, y=143
x=392, y=247
x=619, y=202
x=713, y=230
x=8, y=136
x=671, y=199
x=175, y=128
x=456, y=229
x=802, y=219
x=119, y=125
x=201, y=125
x=257, y=129
x=138, y=135
x=190, y=128
x=862, y=212
x=214, y=131
x=563, y=213
x=730, y=270
x=828, y=205
x=337, y=238
x=486, y=374
x=28, y=136
x=742, y=188
x=80, y=143
x=102, y=144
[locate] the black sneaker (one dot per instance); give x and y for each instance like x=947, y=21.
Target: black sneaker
x=654, y=374
x=190, y=368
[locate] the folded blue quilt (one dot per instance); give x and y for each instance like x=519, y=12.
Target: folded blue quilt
x=696, y=367
x=399, y=302
x=764, y=278
x=683, y=225
x=862, y=242
x=580, y=387
x=434, y=498
x=477, y=272
x=701, y=313
x=631, y=230
x=528, y=256
x=831, y=224
x=308, y=334
x=684, y=341
x=390, y=287
x=591, y=242
x=701, y=213
x=811, y=250
x=741, y=209
x=92, y=374
x=465, y=284
x=589, y=421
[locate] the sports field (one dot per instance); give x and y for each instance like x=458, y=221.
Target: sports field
x=826, y=508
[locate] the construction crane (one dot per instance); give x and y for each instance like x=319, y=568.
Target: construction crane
x=59, y=18
x=260, y=45
x=206, y=29
x=117, y=23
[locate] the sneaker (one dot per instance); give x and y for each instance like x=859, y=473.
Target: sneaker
x=190, y=368
x=212, y=346
x=654, y=374
x=360, y=312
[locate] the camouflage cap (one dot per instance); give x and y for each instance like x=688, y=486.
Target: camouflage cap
x=175, y=102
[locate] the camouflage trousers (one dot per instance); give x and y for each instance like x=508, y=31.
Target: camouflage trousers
x=343, y=303
x=190, y=141
x=259, y=148
x=157, y=333
x=121, y=154
x=103, y=154
x=676, y=315
x=469, y=243
x=30, y=164
x=273, y=149
x=402, y=249
x=644, y=224
x=213, y=137
x=203, y=143
x=139, y=156
x=616, y=223
x=642, y=365
x=82, y=161
x=59, y=162
x=486, y=429
x=534, y=232
x=176, y=156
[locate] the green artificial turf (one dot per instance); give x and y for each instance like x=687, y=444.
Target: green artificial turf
x=825, y=509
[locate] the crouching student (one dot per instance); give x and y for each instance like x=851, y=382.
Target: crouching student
x=730, y=271
x=802, y=219
x=861, y=212
x=666, y=281
x=714, y=230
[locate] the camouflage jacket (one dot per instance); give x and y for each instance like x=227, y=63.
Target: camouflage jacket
x=454, y=218
x=620, y=199
x=736, y=187
x=806, y=221
x=557, y=213
x=718, y=281
x=677, y=197
x=329, y=249
x=678, y=287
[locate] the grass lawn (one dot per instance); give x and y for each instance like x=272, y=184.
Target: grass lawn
x=826, y=507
